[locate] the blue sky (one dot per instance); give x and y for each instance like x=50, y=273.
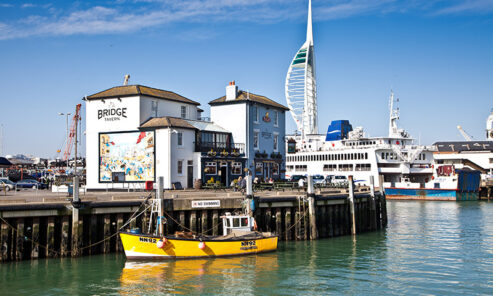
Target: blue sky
x=436, y=55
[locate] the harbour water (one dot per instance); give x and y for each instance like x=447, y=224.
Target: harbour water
x=428, y=248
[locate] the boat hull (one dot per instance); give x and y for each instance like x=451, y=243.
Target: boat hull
x=144, y=247
x=429, y=194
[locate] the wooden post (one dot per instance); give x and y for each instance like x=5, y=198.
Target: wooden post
x=193, y=221
x=119, y=224
x=107, y=233
x=19, y=250
x=50, y=238
x=268, y=220
x=215, y=222
x=279, y=222
x=205, y=222
x=297, y=228
x=4, y=241
x=35, y=239
x=64, y=242
x=182, y=220
x=93, y=234
x=323, y=221
x=351, y=205
x=373, y=210
x=287, y=222
x=311, y=209
x=330, y=220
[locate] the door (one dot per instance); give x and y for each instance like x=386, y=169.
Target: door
x=190, y=174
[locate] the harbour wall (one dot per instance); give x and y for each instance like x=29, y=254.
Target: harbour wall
x=32, y=229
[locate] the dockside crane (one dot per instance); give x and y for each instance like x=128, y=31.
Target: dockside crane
x=72, y=134
x=464, y=134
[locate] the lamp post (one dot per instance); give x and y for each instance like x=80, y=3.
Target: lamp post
x=66, y=116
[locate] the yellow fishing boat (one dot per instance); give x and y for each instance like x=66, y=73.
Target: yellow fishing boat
x=239, y=238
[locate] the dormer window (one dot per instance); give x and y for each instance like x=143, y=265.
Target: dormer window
x=183, y=111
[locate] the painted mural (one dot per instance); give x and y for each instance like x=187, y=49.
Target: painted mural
x=126, y=154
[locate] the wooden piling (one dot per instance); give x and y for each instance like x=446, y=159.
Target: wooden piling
x=322, y=213
x=287, y=222
x=50, y=238
x=297, y=226
x=119, y=224
x=351, y=205
x=193, y=221
x=182, y=221
x=268, y=220
x=215, y=222
x=205, y=223
x=107, y=234
x=64, y=243
x=279, y=222
x=35, y=239
x=19, y=234
x=4, y=241
x=93, y=234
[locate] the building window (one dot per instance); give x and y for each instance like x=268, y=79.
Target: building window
x=300, y=168
x=259, y=167
x=330, y=167
x=276, y=141
x=275, y=169
x=183, y=111
x=256, y=114
x=255, y=139
x=276, y=118
x=180, y=167
x=210, y=168
x=236, y=168
x=180, y=139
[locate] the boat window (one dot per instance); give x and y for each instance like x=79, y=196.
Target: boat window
x=244, y=222
x=236, y=222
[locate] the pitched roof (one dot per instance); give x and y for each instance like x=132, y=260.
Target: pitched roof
x=166, y=121
x=464, y=146
x=135, y=90
x=244, y=96
x=4, y=162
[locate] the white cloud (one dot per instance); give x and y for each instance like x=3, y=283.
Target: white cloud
x=27, y=5
x=134, y=15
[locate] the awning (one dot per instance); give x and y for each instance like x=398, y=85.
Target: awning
x=5, y=163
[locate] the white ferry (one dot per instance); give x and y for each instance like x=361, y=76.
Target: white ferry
x=344, y=151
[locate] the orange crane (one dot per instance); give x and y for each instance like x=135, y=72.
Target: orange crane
x=72, y=134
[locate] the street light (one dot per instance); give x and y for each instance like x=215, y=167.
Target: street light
x=67, y=115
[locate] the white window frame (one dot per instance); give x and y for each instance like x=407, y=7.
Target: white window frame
x=211, y=164
x=257, y=117
x=186, y=111
x=276, y=118
x=256, y=132
x=179, y=136
x=178, y=166
x=236, y=164
x=275, y=139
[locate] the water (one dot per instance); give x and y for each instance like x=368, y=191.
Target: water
x=432, y=248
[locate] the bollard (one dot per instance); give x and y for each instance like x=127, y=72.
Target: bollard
x=351, y=204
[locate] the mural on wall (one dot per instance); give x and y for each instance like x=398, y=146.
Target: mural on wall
x=130, y=154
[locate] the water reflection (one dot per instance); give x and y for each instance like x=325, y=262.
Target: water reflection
x=225, y=275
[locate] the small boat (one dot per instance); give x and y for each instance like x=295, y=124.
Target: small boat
x=239, y=238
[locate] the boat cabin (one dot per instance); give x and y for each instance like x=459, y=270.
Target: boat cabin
x=237, y=224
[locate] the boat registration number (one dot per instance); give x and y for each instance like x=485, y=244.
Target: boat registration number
x=248, y=245
x=147, y=240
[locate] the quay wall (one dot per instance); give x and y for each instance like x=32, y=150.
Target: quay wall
x=45, y=230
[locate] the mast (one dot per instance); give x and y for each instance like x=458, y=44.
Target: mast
x=300, y=87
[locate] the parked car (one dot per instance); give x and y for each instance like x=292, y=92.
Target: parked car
x=30, y=184
x=339, y=179
x=6, y=184
x=318, y=179
x=296, y=178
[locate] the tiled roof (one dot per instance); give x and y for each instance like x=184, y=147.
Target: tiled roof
x=244, y=96
x=167, y=122
x=135, y=90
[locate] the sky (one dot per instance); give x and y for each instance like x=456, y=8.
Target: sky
x=436, y=55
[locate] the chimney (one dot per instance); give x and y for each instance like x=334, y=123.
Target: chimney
x=231, y=91
x=125, y=81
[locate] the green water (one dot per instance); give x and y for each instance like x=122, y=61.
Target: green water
x=431, y=248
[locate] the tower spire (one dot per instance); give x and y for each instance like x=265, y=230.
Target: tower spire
x=309, y=30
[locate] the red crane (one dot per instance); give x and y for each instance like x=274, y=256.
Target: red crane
x=73, y=131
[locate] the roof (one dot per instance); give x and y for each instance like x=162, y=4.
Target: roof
x=136, y=90
x=175, y=122
x=465, y=146
x=4, y=162
x=243, y=96
x=166, y=121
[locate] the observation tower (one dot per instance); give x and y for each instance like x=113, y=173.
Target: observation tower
x=300, y=88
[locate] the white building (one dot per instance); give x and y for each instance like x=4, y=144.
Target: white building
x=135, y=133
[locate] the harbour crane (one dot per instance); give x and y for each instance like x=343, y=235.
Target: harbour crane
x=72, y=134
x=464, y=134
